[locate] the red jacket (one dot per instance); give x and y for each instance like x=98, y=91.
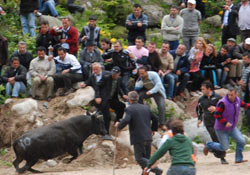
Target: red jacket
x=72, y=39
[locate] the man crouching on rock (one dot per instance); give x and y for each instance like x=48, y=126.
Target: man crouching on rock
x=138, y=117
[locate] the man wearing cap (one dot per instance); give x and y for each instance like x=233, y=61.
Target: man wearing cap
x=235, y=65
x=116, y=90
x=191, y=26
x=229, y=20
x=89, y=55
x=101, y=81
x=139, y=117
x=242, y=48
x=90, y=32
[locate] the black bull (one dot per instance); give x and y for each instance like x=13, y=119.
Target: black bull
x=56, y=139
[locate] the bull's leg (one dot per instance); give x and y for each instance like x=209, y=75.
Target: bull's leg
x=74, y=154
x=16, y=162
x=34, y=171
x=27, y=166
x=80, y=148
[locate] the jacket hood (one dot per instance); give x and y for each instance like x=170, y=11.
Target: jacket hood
x=180, y=138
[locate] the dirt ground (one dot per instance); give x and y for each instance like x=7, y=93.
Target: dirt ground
x=206, y=165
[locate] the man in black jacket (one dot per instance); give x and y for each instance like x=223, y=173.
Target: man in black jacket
x=121, y=58
x=101, y=81
x=15, y=77
x=116, y=90
x=205, y=111
x=229, y=21
x=139, y=117
x=28, y=9
x=50, y=42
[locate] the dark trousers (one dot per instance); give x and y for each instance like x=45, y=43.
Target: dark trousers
x=142, y=153
x=104, y=108
x=66, y=80
x=212, y=133
x=159, y=100
x=183, y=79
x=125, y=78
x=197, y=79
x=118, y=106
x=74, y=8
x=226, y=34
x=244, y=35
x=248, y=119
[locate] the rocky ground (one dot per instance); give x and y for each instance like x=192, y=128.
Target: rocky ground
x=206, y=165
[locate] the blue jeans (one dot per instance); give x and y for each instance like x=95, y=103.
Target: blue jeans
x=173, y=44
x=222, y=76
x=181, y=170
x=223, y=137
x=16, y=88
x=48, y=7
x=171, y=80
x=28, y=24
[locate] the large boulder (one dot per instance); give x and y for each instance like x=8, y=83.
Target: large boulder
x=191, y=130
x=124, y=139
x=25, y=107
x=169, y=2
x=155, y=14
x=81, y=97
x=214, y=20
x=53, y=21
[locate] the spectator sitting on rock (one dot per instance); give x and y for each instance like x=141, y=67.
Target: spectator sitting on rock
x=90, y=33
x=47, y=7
x=74, y=8
x=45, y=39
x=15, y=77
x=68, y=71
x=89, y=55
x=42, y=70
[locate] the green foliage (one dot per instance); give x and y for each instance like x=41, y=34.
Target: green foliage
x=213, y=7
x=3, y=151
x=4, y=163
x=2, y=97
x=116, y=10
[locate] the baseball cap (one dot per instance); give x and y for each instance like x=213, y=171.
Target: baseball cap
x=247, y=41
x=192, y=1
x=231, y=39
x=115, y=70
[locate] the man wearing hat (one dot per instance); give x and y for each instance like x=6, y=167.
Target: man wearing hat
x=90, y=32
x=236, y=65
x=229, y=24
x=116, y=90
x=89, y=55
x=191, y=26
x=242, y=48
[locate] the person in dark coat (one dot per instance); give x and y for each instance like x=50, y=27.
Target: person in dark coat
x=116, y=90
x=101, y=81
x=139, y=117
x=3, y=52
x=15, y=77
x=229, y=21
x=51, y=43
x=205, y=110
x=28, y=9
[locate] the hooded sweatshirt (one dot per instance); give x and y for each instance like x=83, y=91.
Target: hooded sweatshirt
x=180, y=148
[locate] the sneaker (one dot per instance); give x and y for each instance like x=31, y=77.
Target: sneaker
x=194, y=94
x=224, y=161
x=157, y=171
x=232, y=82
x=241, y=161
x=107, y=137
x=217, y=87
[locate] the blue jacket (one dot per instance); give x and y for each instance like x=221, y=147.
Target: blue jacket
x=183, y=64
x=156, y=80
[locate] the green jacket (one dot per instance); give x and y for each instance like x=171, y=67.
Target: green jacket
x=180, y=148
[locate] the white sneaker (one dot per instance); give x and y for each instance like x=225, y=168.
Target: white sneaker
x=194, y=94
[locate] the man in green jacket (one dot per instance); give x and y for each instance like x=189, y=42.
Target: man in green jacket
x=181, y=150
